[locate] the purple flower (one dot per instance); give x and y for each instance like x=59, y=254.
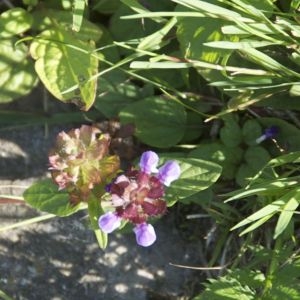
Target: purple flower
x=269, y=133
x=145, y=234
x=109, y=222
x=148, y=162
x=169, y=172
x=137, y=195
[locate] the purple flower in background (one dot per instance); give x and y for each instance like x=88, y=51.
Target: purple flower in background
x=269, y=133
x=138, y=195
x=145, y=234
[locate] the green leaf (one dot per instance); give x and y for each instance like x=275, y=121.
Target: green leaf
x=267, y=62
x=201, y=198
x=62, y=20
x=295, y=4
x=227, y=157
x=45, y=196
x=106, y=6
x=257, y=224
x=257, y=157
x=14, y=22
x=66, y=66
x=251, y=131
x=226, y=288
x=287, y=213
x=78, y=11
x=193, y=32
x=231, y=133
x=194, y=128
x=293, y=157
x=295, y=90
x=123, y=30
x=196, y=175
x=268, y=211
x=267, y=187
x=17, y=76
x=95, y=210
x=208, y=8
x=156, y=40
x=116, y=92
x=4, y=296
x=240, y=45
x=158, y=122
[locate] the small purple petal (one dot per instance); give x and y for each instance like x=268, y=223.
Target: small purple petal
x=109, y=222
x=148, y=162
x=270, y=132
x=145, y=234
x=169, y=172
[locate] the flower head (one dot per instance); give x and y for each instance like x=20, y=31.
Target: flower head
x=138, y=195
x=80, y=160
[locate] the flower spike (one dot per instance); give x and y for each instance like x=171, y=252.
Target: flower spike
x=138, y=195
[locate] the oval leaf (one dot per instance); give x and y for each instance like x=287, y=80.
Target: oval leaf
x=159, y=122
x=17, y=76
x=14, y=21
x=66, y=66
x=196, y=175
x=44, y=196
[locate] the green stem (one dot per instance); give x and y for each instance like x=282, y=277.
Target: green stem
x=95, y=210
x=272, y=267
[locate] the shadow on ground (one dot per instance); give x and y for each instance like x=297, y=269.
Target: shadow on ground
x=60, y=259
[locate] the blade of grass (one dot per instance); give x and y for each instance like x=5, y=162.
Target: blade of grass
x=78, y=11
x=4, y=296
x=27, y=222
x=240, y=45
x=209, y=8
x=154, y=15
x=268, y=210
x=286, y=215
x=196, y=64
x=256, y=224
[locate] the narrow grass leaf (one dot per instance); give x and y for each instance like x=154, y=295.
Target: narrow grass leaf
x=155, y=15
x=256, y=224
x=266, y=61
x=244, y=44
x=78, y=11
x=208, y=8
x=287, y=213
x=268, y=210
x=268, y=187
x=155, y=40
x=27, y=222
